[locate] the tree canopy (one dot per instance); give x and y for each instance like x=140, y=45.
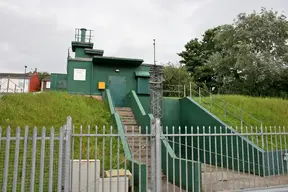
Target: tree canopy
x=174, y=77
x=249, y=56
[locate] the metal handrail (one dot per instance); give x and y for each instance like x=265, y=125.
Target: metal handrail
x=201, y=93
x=215, y=96
x=225, y=110
x=243, y=112
x=88, y=35
x=16, y=88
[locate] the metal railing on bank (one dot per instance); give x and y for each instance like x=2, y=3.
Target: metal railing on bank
x=10, y=87
x=227, y=112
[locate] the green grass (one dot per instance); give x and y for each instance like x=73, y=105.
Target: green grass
x=271, y=112
x=51, y=110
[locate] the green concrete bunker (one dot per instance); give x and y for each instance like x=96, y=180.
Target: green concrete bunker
x=124, y=84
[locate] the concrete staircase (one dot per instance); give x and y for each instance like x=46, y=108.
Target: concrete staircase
x=140, y=146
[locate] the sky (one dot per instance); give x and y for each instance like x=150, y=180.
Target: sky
x=38, y=33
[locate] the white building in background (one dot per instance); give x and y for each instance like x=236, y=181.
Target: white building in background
x=14, y=82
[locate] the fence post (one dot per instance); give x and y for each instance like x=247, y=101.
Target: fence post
x=158, y=156
x=262, y=136
x=190, y=90
x=66, y=176
x=184, y=91
x=210, y=102
x=225, y=113
x=8, y=83
x=153, y=155
x=241, y=121
x=199, y=88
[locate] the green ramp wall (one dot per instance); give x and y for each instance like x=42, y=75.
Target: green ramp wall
x=233, y=152
x=139, y=169
x=172, y=166
x=142, y=118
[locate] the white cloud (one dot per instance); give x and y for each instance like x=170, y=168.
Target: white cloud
x=38, y=33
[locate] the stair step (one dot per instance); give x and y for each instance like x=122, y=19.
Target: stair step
x=130, y=131
x=122, y=108
x=130, y=123
x=127, y=118
x=141, y=141
x=128, y=110
x=131, y=128
x=137, y=147
x=126, y=114
x=142, y=155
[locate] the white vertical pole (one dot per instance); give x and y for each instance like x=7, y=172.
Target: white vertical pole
x=42, y=85
x=241, y=121
x=184, y=91
x=199, y=94
x=190, y=89
x=210, y=102
x=262, y=137
x=153, y=155
x=67, y=155
x=158, y=156
x=8, y=83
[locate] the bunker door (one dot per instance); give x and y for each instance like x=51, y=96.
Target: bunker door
x=117, y=86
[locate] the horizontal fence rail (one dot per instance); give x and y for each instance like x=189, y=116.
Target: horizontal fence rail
x=9, y=86
x=92, y=158
x=229, y=113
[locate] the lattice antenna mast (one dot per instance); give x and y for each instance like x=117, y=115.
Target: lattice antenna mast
x=154, y=51
x=156, y=88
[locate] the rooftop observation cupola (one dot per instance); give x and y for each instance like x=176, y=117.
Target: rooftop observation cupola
x=83, y=46
x=83, y=35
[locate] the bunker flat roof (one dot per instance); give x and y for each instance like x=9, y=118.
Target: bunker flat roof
x=96, y=52
x=81, y=44
x=98, y=60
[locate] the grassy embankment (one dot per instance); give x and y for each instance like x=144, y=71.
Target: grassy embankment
x=272, y=113
x=51, y=110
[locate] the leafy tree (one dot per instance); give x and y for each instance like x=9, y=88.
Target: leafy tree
x=246, y=57
x=192, y=56
x=175, y=78
x=197, y=53
x=253, y=53
x=42, y=75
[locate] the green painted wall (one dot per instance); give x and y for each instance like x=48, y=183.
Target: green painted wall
x=171, y=112
x=176, y=169
x=235, y=152
x=58, y=82
x=79, y=87
x=142, y=118
x=145, y=101
x=79, y=52
x=102, y=73
x=173, y=167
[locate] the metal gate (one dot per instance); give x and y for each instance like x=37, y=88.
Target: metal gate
x=91, y=158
